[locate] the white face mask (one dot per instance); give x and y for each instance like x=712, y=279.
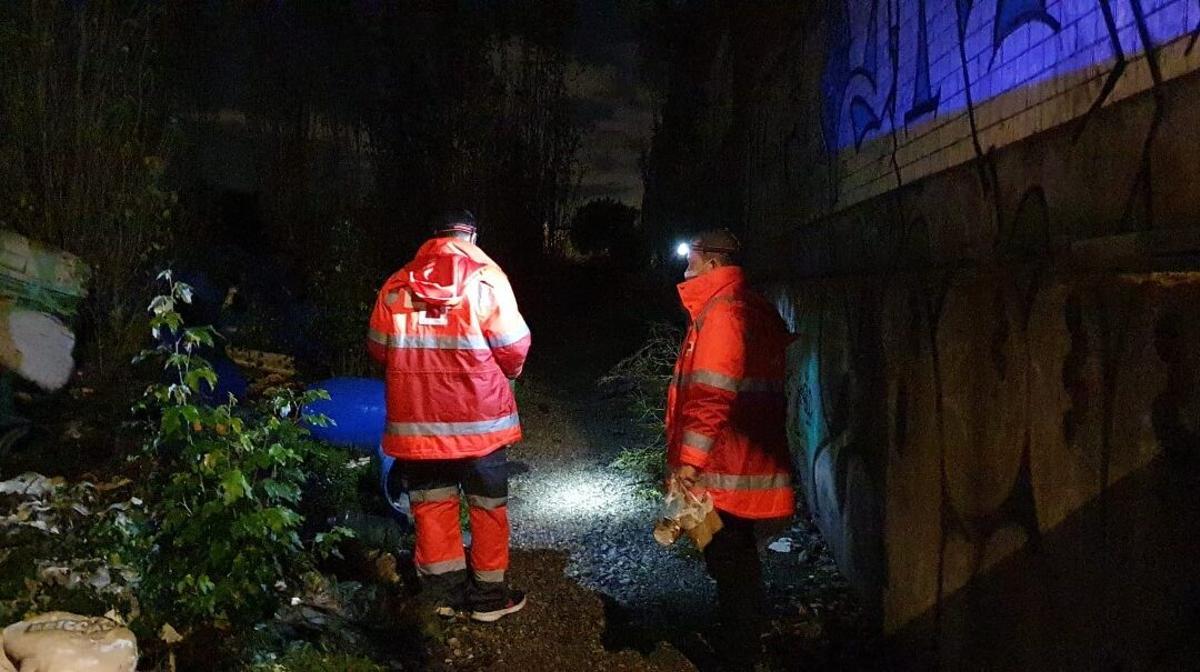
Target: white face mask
x=696, y=267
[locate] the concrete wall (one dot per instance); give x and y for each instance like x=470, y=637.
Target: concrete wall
x=995, y=396
x=1000, y=456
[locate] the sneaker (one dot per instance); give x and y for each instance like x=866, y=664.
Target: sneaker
x=516, y=602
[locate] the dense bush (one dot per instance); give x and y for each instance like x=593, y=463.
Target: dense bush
x=643, y=378
x=227, y=486
x=604, y=225
x=83, y=136
x=117, y=117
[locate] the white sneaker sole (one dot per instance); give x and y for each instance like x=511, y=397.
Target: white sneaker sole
x=493, y=616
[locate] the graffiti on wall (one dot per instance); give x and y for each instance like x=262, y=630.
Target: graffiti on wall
x=893, y=64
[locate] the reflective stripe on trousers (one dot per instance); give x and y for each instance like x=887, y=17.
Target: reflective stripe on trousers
x=443, y=567
x=434, y=489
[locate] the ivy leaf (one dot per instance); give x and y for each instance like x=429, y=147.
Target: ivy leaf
x=203, y=374
x=171, y=423
x=280, y=519
x=190, y=413
x=161, y=305
x=234, y=485
x=284, y=491
x=199, y=335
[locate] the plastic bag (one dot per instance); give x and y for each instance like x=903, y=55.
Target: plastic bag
x=689, y=511
x=63, y=641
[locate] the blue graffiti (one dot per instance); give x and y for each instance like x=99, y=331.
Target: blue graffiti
x=1012, y=14
x=859, y=102
x=870, y=64
x=924, y=101
x=836, y=75
x=1192, y=42
x=864, y=119
x=963, y=8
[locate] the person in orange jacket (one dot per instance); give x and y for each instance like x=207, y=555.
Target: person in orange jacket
x=447, y=329
x=725, y=420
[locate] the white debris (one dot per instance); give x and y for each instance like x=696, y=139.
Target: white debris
x=30, y=484
x=782, y=545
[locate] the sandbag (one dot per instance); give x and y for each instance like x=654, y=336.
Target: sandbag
x=42, y=278
x=356, y=406
x=59, y=641
x=36, y=346
x=5, y=664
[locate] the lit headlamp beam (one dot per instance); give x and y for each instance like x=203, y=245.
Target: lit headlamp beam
x=683, y=249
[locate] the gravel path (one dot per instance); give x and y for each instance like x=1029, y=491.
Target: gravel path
x=603, y=594
x=570, y=499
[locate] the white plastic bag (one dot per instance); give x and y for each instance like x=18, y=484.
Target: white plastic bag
x=59, y=641
x=688, y=511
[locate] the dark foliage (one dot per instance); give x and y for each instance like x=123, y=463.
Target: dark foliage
x=604, y=225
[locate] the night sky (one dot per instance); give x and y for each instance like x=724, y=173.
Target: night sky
x=614, y=107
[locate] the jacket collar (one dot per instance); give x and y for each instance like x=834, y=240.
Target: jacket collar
x=456, y=246
x=698, y=291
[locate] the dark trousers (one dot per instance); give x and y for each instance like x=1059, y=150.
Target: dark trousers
x=434, y=487
x=732, y=560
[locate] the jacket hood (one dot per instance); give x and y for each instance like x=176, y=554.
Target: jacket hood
x=443, y=267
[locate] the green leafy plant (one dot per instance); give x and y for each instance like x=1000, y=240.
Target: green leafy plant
x=229, y=482
x=307, y=658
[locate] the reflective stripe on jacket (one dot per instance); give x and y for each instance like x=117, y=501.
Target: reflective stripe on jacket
x=447, y=328
x=726, y=411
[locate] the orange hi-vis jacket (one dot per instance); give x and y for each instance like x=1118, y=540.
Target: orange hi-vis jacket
x=726, y=412
x=447, y=328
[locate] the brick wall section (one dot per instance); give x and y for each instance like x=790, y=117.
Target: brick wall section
x=1039, y=78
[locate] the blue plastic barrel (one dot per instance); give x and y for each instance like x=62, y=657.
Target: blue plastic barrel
x=397, y=500
x=356, y=407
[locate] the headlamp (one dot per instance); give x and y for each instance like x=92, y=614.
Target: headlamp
x=683, y=250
